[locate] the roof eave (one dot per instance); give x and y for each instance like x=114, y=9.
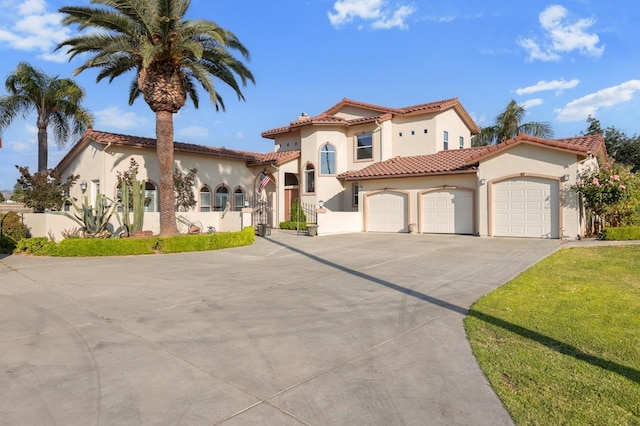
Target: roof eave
x=410, y=175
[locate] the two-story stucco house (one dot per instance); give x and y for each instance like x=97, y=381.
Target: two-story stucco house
x=375, y=169
x=414, y=168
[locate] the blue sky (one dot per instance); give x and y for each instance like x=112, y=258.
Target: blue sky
x=563, y=60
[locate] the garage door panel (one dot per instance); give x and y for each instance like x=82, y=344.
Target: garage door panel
x=387, y=212
x=447, y=212
x=526, y=207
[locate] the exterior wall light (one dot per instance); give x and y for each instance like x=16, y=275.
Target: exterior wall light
x=483, y=181
x=321, y=203
x=83, y=186
x=565, y=178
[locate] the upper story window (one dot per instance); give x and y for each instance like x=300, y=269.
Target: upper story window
x=327, y=159
x=205, y=199
x=461, y=142
x=238, y=199
x=309, y=178
x=364, y=147
x=445, y=137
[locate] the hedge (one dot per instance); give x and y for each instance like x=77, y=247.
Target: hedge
x=623, y=233
x=84, y=247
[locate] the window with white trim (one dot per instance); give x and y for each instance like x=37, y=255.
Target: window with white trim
x=205, y=199
x=461, y=142
x=222, y=198
x=445, y=137
x=151, y=195
x=356, y=193
x=364, y=147
x=309, y=178
x=327, y=159
x=238, y=199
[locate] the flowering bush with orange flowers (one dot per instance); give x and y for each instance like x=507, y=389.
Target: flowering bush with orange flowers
x=611, y=193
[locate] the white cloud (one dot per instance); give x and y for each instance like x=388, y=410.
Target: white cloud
x=34, y=30
x=557, y=85
x=562, y=36
x=114, y=118
x=30, y=7
x=532, y=103
x=193, y=134
x=375, y=11
x=240, y=135
x=580, y=109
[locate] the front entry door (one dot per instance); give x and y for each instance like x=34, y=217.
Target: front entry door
x=290, y=195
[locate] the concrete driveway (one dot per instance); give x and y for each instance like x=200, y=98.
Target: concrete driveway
x=360, y=329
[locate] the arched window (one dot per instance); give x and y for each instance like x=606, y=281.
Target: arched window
x=205, y=199
x=309, y=178
x=238, y=199
x=222, y=198
x=327, y=159
x=151, y=195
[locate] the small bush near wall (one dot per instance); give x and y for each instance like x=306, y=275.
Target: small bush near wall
x=13, y=227
x=39, y=246
x=302, y=226
x=7, y=245
x=78, y=247
x=623, y=233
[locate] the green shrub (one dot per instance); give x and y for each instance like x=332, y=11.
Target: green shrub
x=7, y=244
x=13, y=227
x=202, y=242
x=622, y=233
x=39, y=246
x=77, y=247
x=293, y=225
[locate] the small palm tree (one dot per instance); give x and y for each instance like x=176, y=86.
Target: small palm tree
x=508, y=126
x=55, y=100
x=168, y=56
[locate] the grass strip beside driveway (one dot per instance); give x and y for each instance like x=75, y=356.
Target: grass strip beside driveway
x=560, y=344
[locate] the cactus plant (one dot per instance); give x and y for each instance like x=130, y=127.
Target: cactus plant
x=136, y=204
x=93, y=220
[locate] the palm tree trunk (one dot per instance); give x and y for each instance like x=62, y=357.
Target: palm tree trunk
x=164, y=149
x=43, y=152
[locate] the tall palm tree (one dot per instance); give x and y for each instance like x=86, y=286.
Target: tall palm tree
x=56, y=102
x=168, y=55
x=508, y=126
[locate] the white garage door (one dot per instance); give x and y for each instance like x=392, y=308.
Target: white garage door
x=447, y=212
x=526, y=207
x=387, y=212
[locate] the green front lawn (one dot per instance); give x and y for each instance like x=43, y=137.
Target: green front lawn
x=560, y=344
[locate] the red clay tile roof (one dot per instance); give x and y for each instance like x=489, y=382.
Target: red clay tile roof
x=276, y=158
x=463, y=160
x=384, y=113
x=106, y=138
x=443, y=162
x=579, y=144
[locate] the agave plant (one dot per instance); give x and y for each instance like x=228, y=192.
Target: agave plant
x=93, y=220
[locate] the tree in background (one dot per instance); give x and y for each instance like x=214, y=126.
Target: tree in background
x=44, y=190
x=622, y=148
x=183, y=186
x=168, y=54
x=56, y=102
x=508, y=125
